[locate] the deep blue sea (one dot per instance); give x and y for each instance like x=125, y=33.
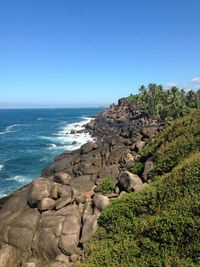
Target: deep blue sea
x=31, y=138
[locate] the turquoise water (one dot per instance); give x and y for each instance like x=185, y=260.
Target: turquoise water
x=31, y=138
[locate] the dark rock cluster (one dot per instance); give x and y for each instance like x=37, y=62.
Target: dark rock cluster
x=47, y=222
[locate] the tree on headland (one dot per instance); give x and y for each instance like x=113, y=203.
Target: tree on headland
x=166, y=104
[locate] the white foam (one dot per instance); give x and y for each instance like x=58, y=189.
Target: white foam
x=20, y=179
x=52, y=146
x=9, y=129
x=1, y=167
x=64, y=139
x=2, y=195
x=66, y=135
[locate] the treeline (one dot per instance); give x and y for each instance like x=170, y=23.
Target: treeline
x=165, y=104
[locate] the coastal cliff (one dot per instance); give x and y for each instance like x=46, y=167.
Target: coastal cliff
x=51, y=222
x=48, y=221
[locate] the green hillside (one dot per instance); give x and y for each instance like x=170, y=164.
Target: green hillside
x=160, y=225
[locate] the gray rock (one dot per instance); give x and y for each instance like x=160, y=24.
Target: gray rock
x=82, y=183
x=70, y=233
x=148, y=166
x=89, y=228
x=80, y=199
x=9, y=257
x=62, y=178
x=101, y=201
x=130, y=182
x=139, y=145
x=74, y=257
x=63, y=201
x=29, y=264
x=86, y=148
x=63, y=258
x=39, y=189
x=109, y=171
x=64, y=191
x=46, y=204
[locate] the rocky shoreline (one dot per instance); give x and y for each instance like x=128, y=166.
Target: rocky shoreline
x=48, y=222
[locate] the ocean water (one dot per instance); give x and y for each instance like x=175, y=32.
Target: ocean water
x=31, y=138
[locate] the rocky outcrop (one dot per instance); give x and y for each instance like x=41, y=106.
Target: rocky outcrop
x=48, y=222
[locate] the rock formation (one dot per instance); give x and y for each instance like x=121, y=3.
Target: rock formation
x=47, y=222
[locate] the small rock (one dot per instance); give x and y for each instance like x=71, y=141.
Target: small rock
x=80, y=199
x=74, y=257
x=148, y=166
x=63, y=258
x=29, y=264
x=74, y=142
x=101, y=201
x=139, y=145
x=123, y=193
x=117, y=190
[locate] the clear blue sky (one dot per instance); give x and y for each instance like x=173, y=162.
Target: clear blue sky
x=91, y=52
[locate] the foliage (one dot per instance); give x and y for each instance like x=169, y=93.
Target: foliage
x=107, y=185
x=159, y=226
x=165, y=104
x=173, y=144
x=138, y=167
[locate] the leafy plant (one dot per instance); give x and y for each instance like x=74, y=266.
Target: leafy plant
x=107, y=185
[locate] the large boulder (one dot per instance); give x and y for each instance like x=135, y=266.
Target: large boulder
x=9, y=257
x=109, y=171
x=86, y=148
x=130, y=182
x=62, y=178
x=89, y=227
x=46, y=204
x=69, y=238
x=39, y=189
x=21, y=230
x=46, y=238
x=82, y=183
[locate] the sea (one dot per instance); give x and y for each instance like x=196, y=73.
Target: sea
x=30, y=139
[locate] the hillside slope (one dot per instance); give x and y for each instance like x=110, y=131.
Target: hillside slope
x=160, y=225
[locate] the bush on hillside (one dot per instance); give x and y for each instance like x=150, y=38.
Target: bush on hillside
x=172, y=145
x=159, y=226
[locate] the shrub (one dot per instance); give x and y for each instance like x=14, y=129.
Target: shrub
x=137, y=167
x=173, y=144
x=159, y=226
x=107, y=185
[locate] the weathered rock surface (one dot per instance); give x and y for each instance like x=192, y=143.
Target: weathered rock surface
x=9, y=257
x=39, y=189
x=130, y=182
x=101, y=201
x=47, y=222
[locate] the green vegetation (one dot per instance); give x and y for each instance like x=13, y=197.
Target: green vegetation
x=160, y=225
x=107, y=185
x=165, y=104
x=174, y=144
